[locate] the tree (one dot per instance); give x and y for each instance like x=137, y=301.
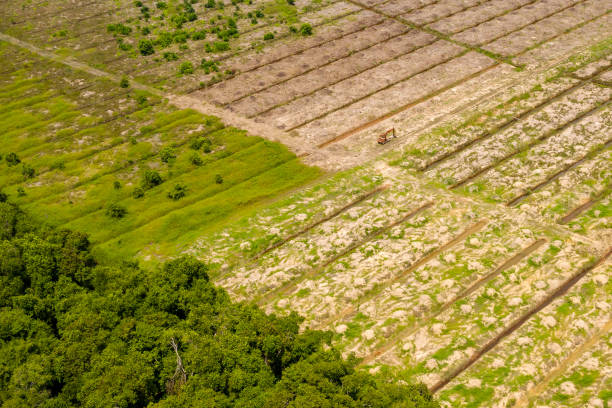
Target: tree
x=150, y=179
x=179, y=191
x=12, y=159
x=146, y=47
x=116, y=211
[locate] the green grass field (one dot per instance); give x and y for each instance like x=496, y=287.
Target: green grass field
x=83, y=144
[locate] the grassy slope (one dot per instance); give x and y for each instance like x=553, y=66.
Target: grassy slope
x=81, y=147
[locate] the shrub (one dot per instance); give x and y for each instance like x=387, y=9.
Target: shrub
x=145, y=31
x=167, y=154
x=117, y=185
x=119, y=29
x=141, y=99
x=306, y=29
x=218, y=179
x=179, y=191
x=217, y=46
x=150, y=179
x=27, y=171
x=198, y=35
x=195, y=159
x=12, y=159
x=138, y=192
x=124, y=83
x=116, y=211
x=164, y=39
x=161, y=5
x=170, y=56
x=3, y=197
x=21, y=192
x=209, y=66
x=268, y=36
x=259, y=13
x=186, y=68
x=146, y=47
x=210, y=4
x=123, y=46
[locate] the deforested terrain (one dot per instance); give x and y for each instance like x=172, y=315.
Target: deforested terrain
x=471, y=253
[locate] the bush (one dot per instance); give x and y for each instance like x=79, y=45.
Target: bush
x=119, y=29
x=306, y=29
x=139, y=192
x=198, y=142
x=117, y=185
x=3, y=197
x=150, y=179
x=146, y=47
x=124, y=83
x=179, y=191
x=170, y=56
x=218, y=179
x=198, y=35
x=195, y=159
x=12, y=159
x=186, y=68
x=268, y=36
x=116, y=211
x=21, y=192
x=161, y=5
x=209, y=66
x=167, y=155
x=27, y=171
x=141, y=99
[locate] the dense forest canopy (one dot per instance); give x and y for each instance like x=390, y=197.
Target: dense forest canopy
x=77, y=333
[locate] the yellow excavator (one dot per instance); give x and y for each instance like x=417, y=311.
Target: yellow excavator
x=387, y=136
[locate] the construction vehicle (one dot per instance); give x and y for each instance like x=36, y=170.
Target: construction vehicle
x=387, y=136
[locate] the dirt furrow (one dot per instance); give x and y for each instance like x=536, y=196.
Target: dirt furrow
x=337, y=59
x=421, y=261
x=528, y=146
x=402, y=108
x=556, y=175
x=464, y=293
x=575, y=355
x=576, y=212
x=313, y=272
x=334, y=214
x=560, y=291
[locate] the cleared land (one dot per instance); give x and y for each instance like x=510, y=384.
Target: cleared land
x=475, y=249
